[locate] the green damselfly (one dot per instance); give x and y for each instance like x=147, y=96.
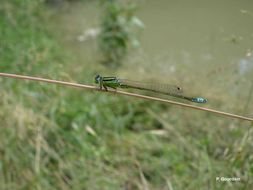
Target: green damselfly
x=167, y=89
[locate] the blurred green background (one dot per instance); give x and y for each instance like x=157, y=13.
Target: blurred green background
x=55, y=137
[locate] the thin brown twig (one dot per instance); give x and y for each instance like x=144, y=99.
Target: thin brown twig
x=124, y=93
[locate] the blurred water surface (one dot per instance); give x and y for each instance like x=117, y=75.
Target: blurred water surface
x=204, y=46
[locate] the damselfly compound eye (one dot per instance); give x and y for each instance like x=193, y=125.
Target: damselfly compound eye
x=97, y=78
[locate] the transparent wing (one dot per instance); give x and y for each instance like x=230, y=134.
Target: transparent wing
x=168, y=89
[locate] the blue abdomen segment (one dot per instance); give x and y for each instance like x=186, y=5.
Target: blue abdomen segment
x=199, y=100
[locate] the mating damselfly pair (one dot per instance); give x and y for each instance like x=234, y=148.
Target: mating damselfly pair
x=167, y=89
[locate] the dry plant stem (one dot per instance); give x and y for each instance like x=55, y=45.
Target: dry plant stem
x=124, y=93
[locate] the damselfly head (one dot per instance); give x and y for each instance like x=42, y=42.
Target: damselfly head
x=97, y=78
